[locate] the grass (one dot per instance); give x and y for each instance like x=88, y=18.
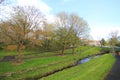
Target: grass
x=34, y=53
x=95, y=69
x=39, y=66
x=13, y=53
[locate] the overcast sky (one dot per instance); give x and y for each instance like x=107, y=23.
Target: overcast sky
x=103, y=16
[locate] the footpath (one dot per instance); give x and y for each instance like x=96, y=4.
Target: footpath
x=114, y=74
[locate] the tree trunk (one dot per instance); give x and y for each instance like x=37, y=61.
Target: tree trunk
x=73, y=49
x=113, y=49
x=63, y=48
x=19, y=58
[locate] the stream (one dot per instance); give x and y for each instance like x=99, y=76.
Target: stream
x=79, y=62
x=82, y=61
x=86, y=59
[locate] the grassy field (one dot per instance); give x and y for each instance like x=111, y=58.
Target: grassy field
x=95, y=69
x=34, y=53
x=36, y=67
x=14, y=53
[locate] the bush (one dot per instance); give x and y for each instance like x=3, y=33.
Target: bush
x=2, y=45
x=13, y=47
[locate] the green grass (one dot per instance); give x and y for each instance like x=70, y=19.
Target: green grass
x=6, y=53
x=95, y=69
x=39, y=66
x=13, y=53
x=34, y=53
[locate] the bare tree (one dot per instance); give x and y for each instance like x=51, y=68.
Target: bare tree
x=78, y=28
x=113, y=40
x=21, y=25
x=47, y=35
x=71, y=29
x=62, y=31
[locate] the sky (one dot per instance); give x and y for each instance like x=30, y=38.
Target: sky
x=102, y=16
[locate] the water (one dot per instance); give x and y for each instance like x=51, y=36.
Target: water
x=86, y=59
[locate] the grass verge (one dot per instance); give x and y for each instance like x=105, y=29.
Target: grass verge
x=35, y=67
x=95, y=69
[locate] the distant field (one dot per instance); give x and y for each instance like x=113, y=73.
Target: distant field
x=95, y=69
x=36, y=67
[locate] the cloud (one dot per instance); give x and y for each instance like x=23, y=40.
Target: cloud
x=50, y=18
x=40, y=4
x=66, y=0
x=37, y=3
x=102, y=31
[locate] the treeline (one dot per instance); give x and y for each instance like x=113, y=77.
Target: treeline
x=29, y=27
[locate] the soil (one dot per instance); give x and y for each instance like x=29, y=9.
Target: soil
x=114, y=74
x=7, y=58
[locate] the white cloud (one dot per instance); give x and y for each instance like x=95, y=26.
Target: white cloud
x=66, y=0
x=40, y=4
x=102, y=31
x=50, y=18
x=37, y=3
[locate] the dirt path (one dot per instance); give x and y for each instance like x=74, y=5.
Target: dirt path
x=115, y=72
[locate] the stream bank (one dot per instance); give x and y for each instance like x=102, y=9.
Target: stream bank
x=80, y=61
